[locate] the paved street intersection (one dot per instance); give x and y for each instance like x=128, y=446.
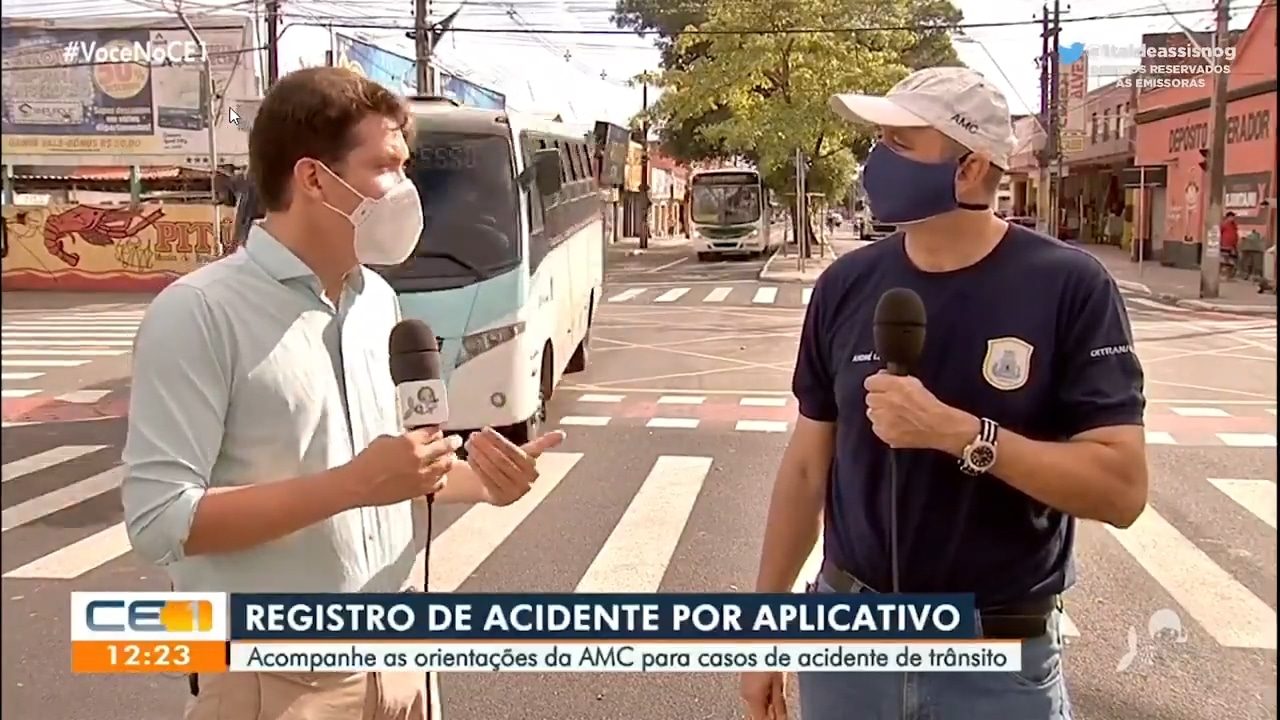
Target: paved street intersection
x=674, y=434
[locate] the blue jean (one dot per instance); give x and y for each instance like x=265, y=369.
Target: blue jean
x=1037, y=692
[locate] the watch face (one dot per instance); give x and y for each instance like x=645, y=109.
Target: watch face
x=982, y=456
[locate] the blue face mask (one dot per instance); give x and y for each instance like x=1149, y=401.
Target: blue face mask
x=901, y=190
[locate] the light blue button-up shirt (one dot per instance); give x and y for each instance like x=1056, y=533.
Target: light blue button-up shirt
x=243, y=373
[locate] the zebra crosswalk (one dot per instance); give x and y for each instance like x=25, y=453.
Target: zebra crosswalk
x=742, y=295
x=1171, y=544
x=44, y=354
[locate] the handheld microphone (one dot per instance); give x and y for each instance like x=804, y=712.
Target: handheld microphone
x=899, y=336
x=421, y=401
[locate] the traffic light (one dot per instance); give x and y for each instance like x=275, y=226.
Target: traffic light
x=1204, y=159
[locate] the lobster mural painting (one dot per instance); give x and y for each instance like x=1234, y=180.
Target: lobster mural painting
x=103, y=227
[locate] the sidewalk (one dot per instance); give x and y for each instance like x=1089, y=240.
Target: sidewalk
x=1180, y=287
x=782, y=268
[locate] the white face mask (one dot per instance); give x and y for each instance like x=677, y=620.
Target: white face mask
x=386, y=228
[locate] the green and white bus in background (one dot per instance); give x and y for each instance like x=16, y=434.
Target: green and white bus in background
x=510, y=267
x=730, y=213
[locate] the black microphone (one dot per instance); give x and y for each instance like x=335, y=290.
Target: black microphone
x=899, y=336
x=421, y=398
x=899, y=330
x=422, y=402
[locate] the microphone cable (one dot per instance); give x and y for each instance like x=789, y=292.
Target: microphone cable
x=426, y=582
x=893, y=519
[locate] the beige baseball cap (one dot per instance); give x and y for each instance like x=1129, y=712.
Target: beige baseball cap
x=955, y=101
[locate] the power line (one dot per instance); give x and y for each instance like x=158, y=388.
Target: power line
x=917, y=27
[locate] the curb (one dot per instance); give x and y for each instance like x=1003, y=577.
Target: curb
x=1190, y=304
x=767, y=274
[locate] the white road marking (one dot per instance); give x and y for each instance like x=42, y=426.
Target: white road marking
x=773, y=426
x=103, y=317
x=47, y=459
x=1227, y=610
x=812, y=564
x=5, y=362
x=42, y=326
x=1160, y=438
x=717, y=295
x=765, y=296
x=1068, y=626
x=635, y=556
x=671, y=295
x=1255, y=440
x=1256, y=496
x=78, y=558
x=626, y=295
x=600, y=398
x=64, y=353
x=1271, y=410
x=93, y=343
x=86, y=397
x=21, y=376
x=16, y=394
x=60, y=499
x=763, y=402
x=681, y=400
x=805, y=295
x=1201, y=412
x=585, y=420
x=83, y=336
x=672, y=423
x=465, y=544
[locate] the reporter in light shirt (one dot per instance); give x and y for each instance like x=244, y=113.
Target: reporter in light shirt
x=1024, y=414
x=264, y=451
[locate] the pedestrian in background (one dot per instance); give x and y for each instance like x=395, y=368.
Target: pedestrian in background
x=1024, y=413
x=264, y=451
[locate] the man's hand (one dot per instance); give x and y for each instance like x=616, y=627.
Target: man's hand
x=764, y=694
x=398, y=468
x=506, y=471
x=905, y=415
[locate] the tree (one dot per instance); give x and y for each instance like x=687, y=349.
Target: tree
x=682, y=139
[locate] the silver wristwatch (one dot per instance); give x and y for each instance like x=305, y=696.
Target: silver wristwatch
x=980, y=454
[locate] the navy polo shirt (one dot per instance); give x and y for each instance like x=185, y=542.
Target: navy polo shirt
x=1034, y=336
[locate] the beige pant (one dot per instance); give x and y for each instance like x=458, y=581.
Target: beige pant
x=314, y=696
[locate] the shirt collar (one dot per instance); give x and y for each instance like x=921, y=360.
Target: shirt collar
x=281, y=264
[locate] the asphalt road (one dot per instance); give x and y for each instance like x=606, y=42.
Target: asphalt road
x=688, y=392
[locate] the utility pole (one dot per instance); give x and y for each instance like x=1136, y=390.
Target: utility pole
x=1042, y=187
x=1209, y=258
x=1055, y=117
x=644, y=166
x=273, y=42
x=422, y=45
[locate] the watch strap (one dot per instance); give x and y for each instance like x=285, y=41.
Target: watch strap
x=988, y=433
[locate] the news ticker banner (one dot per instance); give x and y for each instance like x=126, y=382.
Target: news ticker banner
x=218, y=632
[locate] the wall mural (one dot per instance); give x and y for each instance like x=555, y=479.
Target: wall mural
x=112, y=248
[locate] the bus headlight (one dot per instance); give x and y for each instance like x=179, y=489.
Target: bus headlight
x=486, y=340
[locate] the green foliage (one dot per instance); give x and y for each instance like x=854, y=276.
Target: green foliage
x=762, y=96
x=776, y=87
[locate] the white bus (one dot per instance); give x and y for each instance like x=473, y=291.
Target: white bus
x=730, y=213
x=510, y=267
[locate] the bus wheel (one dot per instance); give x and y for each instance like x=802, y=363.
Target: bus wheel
x=581, y=354
x=530, y=429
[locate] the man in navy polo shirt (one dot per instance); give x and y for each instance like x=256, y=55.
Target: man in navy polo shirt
x=1023, y=414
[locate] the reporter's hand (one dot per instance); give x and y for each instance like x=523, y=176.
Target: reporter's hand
x=507, y=471
x=399, y=468
x=764, y=694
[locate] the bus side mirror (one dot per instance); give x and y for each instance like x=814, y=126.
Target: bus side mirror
x=546, y=171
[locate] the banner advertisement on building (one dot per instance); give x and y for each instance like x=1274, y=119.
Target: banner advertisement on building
x=116, y=96
x=400, y=74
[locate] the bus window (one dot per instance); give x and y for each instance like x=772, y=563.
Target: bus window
x=467, y=186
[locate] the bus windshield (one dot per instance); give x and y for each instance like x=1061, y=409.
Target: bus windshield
x=720, y=202
x=467, y=186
